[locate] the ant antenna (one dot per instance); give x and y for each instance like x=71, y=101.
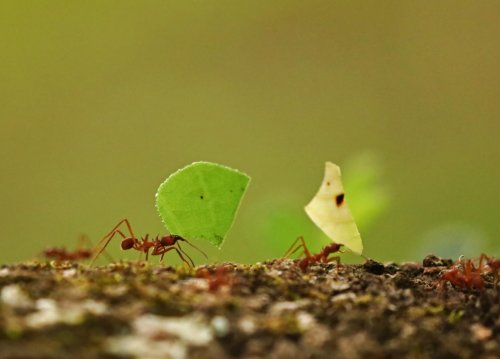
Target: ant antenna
x=198, y=249
x=187, y=255
x=365, y=257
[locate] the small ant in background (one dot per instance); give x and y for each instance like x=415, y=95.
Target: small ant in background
x=467, y=276
x=82, y=251
x=321, y=257
x=219, y=277
x=463, y=275
x=158, y=246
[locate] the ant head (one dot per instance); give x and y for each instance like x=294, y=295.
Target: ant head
x=127, y=243
x=167, y=240
x=332, y=248
x=170, y=240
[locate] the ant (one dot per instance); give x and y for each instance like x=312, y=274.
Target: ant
x=80, y=253
x=158, y=246
x=321, y=257
x=218, y=277
x=464, y=275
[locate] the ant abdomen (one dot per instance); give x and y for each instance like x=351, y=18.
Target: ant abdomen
x=127, y=243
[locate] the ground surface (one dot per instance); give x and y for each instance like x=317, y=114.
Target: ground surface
x=267, y=310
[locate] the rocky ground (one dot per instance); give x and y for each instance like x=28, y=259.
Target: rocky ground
x=266, y=310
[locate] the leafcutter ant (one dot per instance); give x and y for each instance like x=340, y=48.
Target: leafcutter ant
x=464, y=275
x=157, y=246
x=321, y=257
x=83, y=251
x=218, y=277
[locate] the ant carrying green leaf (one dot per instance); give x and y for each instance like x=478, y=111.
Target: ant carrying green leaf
x=158, y=246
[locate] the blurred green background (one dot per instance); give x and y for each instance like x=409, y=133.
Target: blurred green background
x=101, y=100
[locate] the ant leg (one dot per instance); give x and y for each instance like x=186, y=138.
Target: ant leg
x=162, y=253
x=110, y=235
x=107, y=239
x=84, y=241
x=289, y=251
x=127, y=223
x=295, y=247
x=182, y=257
x=483, y=257
x=198, y=249
x=144, y=241
x=469, y=268
x=161, y=250
x=460, y=263
x=335, y=259
x=115, y=229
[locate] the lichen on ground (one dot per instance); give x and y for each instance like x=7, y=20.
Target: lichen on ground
x=266, y=310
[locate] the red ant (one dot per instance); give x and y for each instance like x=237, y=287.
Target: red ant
x=321, y=257
x=62, y=254
x=465, y=276
x=221, y=277
x=158, y=246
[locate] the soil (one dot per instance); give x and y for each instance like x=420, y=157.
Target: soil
x=267, y=310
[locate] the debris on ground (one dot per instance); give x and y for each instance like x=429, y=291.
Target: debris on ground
x=266, y=310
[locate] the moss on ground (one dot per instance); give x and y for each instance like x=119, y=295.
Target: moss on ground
x=270, y=310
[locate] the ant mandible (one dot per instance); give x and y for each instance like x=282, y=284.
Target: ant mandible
x=158, y=246
x=321, y=257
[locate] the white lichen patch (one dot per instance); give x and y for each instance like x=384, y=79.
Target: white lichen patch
x=4, y=272
x=220, y=325
x=162, y=337
x=190, y=329
x=94, y=307
x=275, y=273
x=142, y=347
x=199, y=284
x=69, y=273
x=49, y=312
x=258, y=301
x=344, y=297
x=305, y=321
x=280, y=307
x=247, y=325
x=13, y=296
x=339, y=286
x=116, y=291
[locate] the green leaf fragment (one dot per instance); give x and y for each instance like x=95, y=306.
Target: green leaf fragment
x=200, y=201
